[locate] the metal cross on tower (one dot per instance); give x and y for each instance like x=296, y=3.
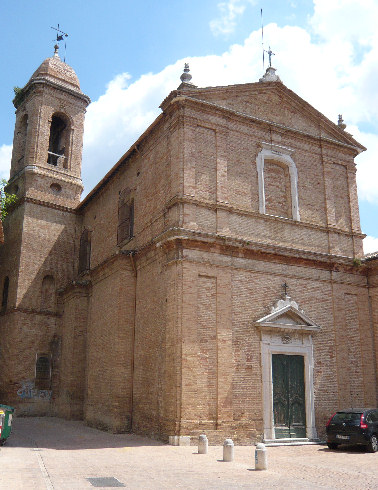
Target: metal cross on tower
x=285, y=287
x=270, y=54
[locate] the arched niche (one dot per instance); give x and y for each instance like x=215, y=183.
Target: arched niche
x=85, y=251
x=48, y=293
x=282, y=157
x=19, y=144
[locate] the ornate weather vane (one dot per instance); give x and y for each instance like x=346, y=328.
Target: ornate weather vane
x=60, y=35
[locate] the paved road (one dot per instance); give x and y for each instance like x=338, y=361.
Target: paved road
x=50, y=453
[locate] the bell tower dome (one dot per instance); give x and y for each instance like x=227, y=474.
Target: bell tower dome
x=48, y=137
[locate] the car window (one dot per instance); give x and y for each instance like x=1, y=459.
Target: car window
x=370, y=417
x=374, y=416
x=341, y=417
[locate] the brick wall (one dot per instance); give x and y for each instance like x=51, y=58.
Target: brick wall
x=109, y=347
x=160, y=335
x=230, y=352
x=373, y=303
x=326, y=217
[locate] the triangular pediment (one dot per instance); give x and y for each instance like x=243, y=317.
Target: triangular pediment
x=286, y=315
x=274, y=102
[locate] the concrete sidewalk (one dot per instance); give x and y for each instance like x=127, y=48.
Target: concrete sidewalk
x=51, y=453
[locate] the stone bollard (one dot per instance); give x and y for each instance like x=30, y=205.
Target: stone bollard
x=228, y=450
x=203, y=444
x=261, y=457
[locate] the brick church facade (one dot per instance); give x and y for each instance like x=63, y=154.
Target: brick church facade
x=212, y=282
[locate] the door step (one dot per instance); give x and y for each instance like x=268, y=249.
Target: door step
x=300, y=441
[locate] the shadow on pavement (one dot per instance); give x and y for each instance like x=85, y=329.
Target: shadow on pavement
x=345, y=449
x=61, y=434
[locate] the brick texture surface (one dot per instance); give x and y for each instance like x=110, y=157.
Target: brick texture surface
x=158, y=334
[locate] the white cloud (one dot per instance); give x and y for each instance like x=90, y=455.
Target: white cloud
x=5, y=159
x=354, y=20
x=370, y=244
x=229, y=12
x=120, y=116
x=324, y=69
x=367, y=166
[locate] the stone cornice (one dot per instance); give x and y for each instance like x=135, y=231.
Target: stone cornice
x=182, y=98
x=242, y=247
x=76, y=287
x=302, y=105
x=53, y=173
x=211, y=242
x=34, y=83
x=17, y=309
x=106, y=267
x=244, y=212
x=46, y=204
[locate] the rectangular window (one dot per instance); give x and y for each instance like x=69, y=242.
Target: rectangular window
x=43, y=372
x=85, y=251
x=125, y=229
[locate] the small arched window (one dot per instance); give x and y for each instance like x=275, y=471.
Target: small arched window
x=85, y=251
x=48, y=293
x=58, y=141
x=43, y=372
x=4, y=301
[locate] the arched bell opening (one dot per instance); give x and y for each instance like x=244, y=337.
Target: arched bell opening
x=57, y=154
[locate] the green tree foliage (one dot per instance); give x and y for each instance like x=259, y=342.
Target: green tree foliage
x=19, y=95
x=6, y=199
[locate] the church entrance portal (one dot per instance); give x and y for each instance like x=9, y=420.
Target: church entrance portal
x=287, y=362
x=289, y=409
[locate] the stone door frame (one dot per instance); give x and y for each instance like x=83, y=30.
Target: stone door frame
x=287, y=330
x=267, y=350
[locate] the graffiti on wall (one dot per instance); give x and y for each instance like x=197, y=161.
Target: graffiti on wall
x=29, y=391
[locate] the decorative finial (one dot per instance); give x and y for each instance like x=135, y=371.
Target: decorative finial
x=270, y=75
x=186, y=78
x=340, y=122
x=56, y=51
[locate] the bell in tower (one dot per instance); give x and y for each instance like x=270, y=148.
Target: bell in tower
x=48, y=138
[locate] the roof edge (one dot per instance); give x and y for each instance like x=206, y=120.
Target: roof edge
x=107, y=177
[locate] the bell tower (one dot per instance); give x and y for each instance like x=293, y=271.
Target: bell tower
x=48, y=137
x=39, y=253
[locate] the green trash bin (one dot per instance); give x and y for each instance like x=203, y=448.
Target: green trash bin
x=6, y=414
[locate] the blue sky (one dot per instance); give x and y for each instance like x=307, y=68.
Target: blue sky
x=129, y=54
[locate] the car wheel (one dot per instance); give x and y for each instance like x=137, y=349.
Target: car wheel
x=332, y=445
x=372, y=447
